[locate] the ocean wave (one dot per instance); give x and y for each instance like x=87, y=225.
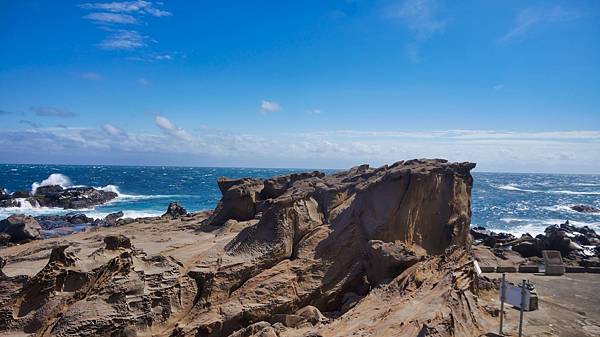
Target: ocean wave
x=53, y=179
x=564, y=209
x=126, y=214
x=520, y=226
x=514, y=187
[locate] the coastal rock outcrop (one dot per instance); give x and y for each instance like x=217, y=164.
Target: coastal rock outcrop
x=56, y=196
x=571, y=241
x=20, y=227
x=175, y=210
x=585, y=209
x=320, y=254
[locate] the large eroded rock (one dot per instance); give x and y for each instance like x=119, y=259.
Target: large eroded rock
x=273, y=256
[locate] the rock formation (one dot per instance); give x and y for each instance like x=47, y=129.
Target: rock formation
x=20, y=227
x=56, y=196
x=585, y=209
x=280, y=257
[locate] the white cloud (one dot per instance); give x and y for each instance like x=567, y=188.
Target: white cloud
x=550, y=151
x=114, y=130
x=92, y=76
x=111, y=18
x=498, y=87
x=419, y=16
x=314, y=112
x=144, y=82
x=48, y=111
x=530, y=17
x=140, y=6
x=267, y=106
x=123, y=40
x=169, y=128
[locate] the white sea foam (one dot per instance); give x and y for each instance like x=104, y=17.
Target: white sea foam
x=514, y=187
x=520, y=226
x=564, y=209
x=53, y=179
x=126, y=214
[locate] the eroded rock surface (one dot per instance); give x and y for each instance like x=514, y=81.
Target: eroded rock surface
x=280, y=257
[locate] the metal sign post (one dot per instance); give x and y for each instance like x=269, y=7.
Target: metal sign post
x=523, y=303
x=514, y=295
x=502, y=297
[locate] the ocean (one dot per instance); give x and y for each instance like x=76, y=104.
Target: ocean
x=516, y=203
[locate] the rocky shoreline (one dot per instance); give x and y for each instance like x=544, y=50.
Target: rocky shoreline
x=57, y=197
x=579, y=246
x=382, y=251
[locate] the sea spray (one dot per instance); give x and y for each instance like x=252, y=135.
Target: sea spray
x=53, y=179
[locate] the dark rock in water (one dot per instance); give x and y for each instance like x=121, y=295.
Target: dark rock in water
x=56, y=196
x=585, y=209
x=67, y=220
x=21, y=194
x=114, y=242
x=175, y=210
x=20, y=227
x=112, y=218
x=43, y=190
x=76, y=197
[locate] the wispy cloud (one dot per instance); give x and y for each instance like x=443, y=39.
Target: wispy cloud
x=419, y=16
x=117, y=18
x=313, y=112
x=491, y=149
x=51, y=111
x=30, y=123
x=114, y=131
x=92, y=76
x=5, y=112
x=111, y=18
x=144, y=82
x=267, y=106
x=123, y=40
x=498, y=87
x=169, y=128
x=531, y=17
x=141, y=7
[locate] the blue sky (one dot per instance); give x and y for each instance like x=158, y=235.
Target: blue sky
x=512, y=85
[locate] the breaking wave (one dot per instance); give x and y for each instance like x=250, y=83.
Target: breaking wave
x=514, y=187
x=53, y=179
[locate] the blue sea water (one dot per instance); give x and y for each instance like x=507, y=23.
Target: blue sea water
x=517, y=203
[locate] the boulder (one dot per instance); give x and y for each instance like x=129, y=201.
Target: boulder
x=387, y=260
x=311, y=314
x=21, y=194
x=175, y=210
x=585, y=209
x=112, y=218
x=114, y=242
x=239, y=201
x=20, y=227
x=42, y=190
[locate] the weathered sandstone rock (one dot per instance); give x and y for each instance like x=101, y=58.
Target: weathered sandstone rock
x=272, y=256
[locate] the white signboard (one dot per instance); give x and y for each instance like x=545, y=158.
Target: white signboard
x=512, y=295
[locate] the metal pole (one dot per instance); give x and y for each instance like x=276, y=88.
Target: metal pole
x=502, y=295
x=523, y=292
